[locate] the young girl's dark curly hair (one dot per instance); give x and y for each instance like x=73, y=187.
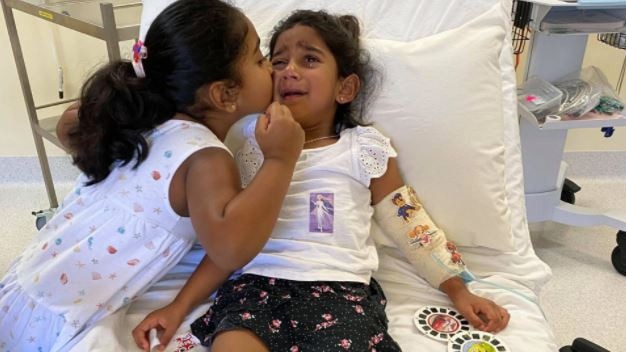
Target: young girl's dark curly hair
x=341, y=33
x=191, y=43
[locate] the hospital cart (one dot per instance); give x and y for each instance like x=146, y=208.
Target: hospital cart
x=112, y=21
x=557, y=47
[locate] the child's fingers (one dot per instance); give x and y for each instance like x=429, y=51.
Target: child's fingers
x=493, y=319
x=167, y=336
x=262, y=123
x=272, y=110
x=285, y=111
x=273, y=114
x=140, y=334
x=505, y=317
x=281, y=117
x=474, y=319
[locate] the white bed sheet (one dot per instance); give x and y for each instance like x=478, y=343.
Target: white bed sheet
x=405, y=291
x=512, y=279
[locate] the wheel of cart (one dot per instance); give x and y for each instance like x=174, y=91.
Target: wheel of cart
x=567, y=193
x=618, y=257
x=42, y=217
x=582, y=345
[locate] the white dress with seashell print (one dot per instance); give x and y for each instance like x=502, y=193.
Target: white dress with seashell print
x=106, y=244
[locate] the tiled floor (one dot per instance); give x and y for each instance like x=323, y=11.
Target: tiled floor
x=584, y=299
x=17, y=225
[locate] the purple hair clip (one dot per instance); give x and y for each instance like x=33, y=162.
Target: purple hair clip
x=140, y=52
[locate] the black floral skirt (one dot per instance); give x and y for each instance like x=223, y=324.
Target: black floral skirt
x=295, y=316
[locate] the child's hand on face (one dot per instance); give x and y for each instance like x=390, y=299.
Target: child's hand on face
x=166, y=320
x=278, y=134
x=482, y=313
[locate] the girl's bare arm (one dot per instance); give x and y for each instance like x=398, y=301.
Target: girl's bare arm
x=233, y=224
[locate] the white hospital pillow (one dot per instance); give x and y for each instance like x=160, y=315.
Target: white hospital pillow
x=414, y=19
x=441, y=105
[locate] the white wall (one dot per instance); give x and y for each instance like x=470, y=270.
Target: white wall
x=37, y=37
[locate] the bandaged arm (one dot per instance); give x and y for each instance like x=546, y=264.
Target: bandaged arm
x=401, y=216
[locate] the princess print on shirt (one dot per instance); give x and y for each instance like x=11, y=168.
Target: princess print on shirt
x=321, y=214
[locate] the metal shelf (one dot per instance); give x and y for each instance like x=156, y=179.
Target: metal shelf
x=47, y=128
x=86, y=17
x=583, y=122
x=560, y=17
x=552, y=55
x=112, y=21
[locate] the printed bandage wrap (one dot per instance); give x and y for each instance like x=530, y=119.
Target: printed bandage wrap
x=402, y=217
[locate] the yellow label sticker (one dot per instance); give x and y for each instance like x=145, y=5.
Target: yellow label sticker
x=46, y=15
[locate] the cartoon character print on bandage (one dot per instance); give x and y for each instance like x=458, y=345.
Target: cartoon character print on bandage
x=454, y=255
x=401, y=216
x=421, y=235
x=406, y=210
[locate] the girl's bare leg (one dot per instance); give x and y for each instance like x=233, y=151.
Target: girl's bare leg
x=237, y=341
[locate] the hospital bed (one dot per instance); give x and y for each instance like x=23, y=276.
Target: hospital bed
x=448, y=102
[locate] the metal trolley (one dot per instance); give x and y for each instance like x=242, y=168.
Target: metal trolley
x=112, y=21
x=556, y=48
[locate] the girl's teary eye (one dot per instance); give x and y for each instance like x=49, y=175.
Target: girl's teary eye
x=278, y=63
x=311, y=58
